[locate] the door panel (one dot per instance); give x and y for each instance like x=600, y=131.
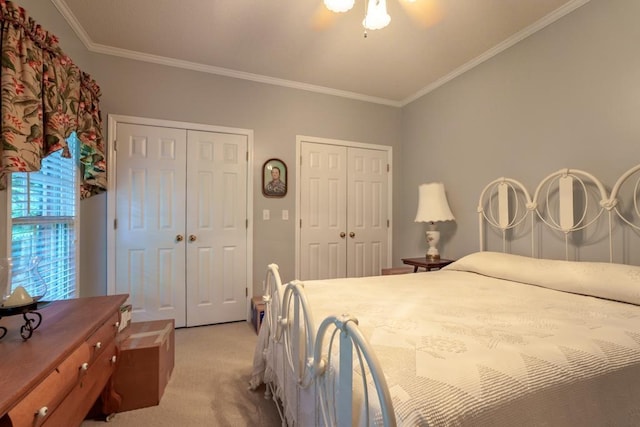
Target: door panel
x=322, y=207
x=216, y=218
x=150, y=185
x=367, y=212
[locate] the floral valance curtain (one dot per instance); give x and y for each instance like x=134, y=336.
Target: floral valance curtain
x=45, y=97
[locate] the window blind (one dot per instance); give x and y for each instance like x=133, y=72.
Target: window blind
x=43, y=211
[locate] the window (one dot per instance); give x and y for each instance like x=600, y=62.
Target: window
x=44, y=223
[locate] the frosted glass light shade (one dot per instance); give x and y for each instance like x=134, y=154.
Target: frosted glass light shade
x=377, y=16
x=339, y=5
x=432, y=204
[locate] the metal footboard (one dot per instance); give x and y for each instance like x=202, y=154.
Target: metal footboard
x=339, y=412
x=308, y=360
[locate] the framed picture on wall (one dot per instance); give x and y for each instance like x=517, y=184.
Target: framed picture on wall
x=274, y=178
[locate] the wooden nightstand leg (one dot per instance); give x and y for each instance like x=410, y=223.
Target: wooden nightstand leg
x=415, y=268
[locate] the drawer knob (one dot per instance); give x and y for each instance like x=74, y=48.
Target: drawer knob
x=113, y=359
x=84, y=366
x=98, y=345
x=42, y=412
x=117, y=324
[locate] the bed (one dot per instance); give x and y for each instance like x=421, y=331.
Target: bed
x=494, y=339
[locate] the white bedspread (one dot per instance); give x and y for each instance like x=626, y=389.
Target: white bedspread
x=462, y=348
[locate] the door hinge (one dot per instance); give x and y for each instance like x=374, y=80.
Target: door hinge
x=387, y=223
x=246, y=292
x=115, y=224
x=246, y=223
x=300, y=222
x=300, y=159
x=247, y=156
x=388, y=167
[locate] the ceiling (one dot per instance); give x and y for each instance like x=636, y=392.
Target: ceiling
x=298, y=43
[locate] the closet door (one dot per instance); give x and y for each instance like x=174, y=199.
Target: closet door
x=150, y=215
x=343, y=211
x=181, y=237
x=216, y=229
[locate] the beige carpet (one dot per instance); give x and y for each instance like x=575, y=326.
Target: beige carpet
x=209, y=385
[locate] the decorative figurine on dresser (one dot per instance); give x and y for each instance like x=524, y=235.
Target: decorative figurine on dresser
x=21, y=291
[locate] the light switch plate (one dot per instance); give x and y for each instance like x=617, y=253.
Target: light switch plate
x=266, y=215
x=285, y=214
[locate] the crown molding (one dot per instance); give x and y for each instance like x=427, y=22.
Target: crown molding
x=66, y=12
x=68, y=15
x=194, y=66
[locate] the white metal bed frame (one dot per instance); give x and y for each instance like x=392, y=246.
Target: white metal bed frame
x=289, y=319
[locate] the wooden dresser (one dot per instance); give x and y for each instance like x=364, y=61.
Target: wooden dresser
x=55, y=377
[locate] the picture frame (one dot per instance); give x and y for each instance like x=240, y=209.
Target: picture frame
x=274, y=178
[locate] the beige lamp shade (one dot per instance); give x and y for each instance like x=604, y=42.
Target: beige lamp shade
x=432, y=203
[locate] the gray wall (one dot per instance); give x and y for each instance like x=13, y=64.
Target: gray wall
x=568, y=96
x=276, y=115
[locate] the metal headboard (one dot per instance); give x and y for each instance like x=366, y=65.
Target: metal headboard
x=566, y=201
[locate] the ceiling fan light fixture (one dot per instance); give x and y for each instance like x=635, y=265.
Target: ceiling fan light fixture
x=377, y=16
x=339, y=6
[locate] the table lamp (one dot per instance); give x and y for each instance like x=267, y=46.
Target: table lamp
x=433, y=207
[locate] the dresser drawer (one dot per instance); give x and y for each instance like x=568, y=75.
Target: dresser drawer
x=38, y=404
x=103, y=336
x=79, y=401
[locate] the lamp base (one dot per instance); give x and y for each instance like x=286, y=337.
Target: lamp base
x=433, y=237
x=432, y=257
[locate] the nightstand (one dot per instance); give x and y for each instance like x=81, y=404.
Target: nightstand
x=427, y=264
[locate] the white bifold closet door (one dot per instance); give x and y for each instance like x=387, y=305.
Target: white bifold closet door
x=343, y=211
x=181, y=234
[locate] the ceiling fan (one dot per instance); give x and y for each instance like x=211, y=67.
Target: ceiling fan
x=425, y=13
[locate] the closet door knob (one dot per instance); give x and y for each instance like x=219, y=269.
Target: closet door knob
x=192, y=238
x=352, y=234
x=343, y=234
x=179, y=238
